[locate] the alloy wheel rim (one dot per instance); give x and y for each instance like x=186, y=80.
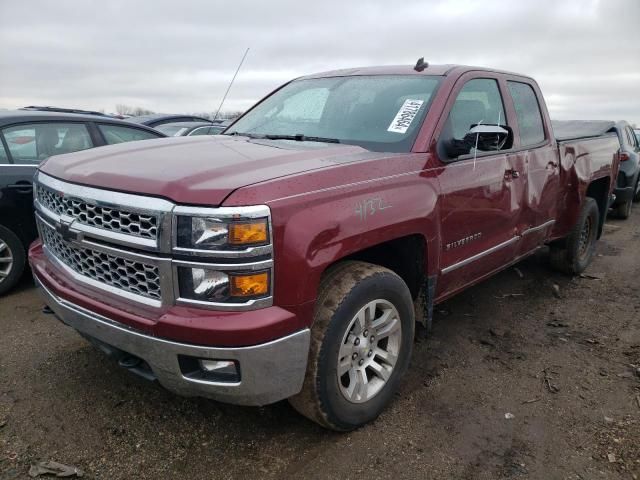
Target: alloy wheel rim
x=6, y=261
x=369, y=351
x=585, y=238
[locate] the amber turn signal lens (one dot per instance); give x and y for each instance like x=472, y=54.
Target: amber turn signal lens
x=249, y=285
x=248, y=233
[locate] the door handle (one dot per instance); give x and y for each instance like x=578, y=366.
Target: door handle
x=552, y=164
x=21, y=187
x=511, y=173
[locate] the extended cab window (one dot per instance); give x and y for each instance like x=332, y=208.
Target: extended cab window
x=119, y=134
x=378, y=112
x=527, y=112
x=479, y=103
x=32, y=143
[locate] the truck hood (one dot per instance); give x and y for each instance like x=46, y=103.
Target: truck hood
x=196, y=170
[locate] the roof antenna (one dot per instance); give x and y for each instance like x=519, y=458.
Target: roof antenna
x=421, y=65
x=229, y=87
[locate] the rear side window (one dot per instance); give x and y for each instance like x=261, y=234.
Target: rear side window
x=119, y=134
x=528, y=113
x=32, y=143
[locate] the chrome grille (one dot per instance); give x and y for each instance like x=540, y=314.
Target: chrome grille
x=115, y=220
x=132, y=276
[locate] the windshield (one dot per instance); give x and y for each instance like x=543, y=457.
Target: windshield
x=379, y=112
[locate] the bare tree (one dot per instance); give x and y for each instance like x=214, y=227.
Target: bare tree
x=123, y=109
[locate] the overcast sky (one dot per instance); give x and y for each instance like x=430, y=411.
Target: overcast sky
x=179, y=55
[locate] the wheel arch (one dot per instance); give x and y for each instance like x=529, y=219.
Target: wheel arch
x=599, y=190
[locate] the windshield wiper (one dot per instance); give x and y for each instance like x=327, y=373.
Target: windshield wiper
x=243, y=134
x=299, y=137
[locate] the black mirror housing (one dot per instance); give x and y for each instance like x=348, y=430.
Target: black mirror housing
x=484, y=137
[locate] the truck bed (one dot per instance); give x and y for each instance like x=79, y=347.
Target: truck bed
x=576, y=129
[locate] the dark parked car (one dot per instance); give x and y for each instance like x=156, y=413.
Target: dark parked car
x=26, y=138
x=155, y=119
x=188, y=129
x=37, y=108
x=628, y=182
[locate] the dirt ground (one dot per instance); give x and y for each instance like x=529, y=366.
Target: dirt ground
x=520, y=379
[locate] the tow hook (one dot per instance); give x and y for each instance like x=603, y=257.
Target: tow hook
x=129, y=361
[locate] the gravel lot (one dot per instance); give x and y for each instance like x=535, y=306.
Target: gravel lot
x=558, y=360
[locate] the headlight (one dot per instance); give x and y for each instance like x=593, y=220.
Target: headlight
x=208, y=285
x=206, y=233
x=223, y=257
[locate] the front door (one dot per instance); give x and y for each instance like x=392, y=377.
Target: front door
x=481, y=192
x=16, y=199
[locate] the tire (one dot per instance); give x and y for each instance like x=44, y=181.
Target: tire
x=577, y=251
x=345, y=295
x=12, y=259
x=623, y=210
x=636, y=197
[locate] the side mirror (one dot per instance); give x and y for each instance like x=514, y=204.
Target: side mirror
x=484, y=138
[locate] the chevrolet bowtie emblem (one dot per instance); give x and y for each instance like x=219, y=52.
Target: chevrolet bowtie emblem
x=68, y=235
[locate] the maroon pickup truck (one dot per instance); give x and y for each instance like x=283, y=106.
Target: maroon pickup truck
x=291, y=257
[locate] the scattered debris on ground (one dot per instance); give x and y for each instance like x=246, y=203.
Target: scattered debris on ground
x=54, y=468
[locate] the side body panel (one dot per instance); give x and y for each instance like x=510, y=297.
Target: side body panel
x=336, y=212
x=581, y=163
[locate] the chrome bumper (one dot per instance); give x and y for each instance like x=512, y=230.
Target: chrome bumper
x=268, y=372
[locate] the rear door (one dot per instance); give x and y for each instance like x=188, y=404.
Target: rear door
x=482, y=192
x=534, y=149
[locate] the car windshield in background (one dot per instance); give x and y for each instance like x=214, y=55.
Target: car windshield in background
x=171, y=130
x=378, y=112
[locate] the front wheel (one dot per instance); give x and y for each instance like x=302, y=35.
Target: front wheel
x=361, y=344
x=576, y=253
x=12, y=259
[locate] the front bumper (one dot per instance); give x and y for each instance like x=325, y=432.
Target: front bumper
x=269, y=372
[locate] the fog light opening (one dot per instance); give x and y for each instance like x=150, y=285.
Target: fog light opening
x=211, y=370
x=218, y=366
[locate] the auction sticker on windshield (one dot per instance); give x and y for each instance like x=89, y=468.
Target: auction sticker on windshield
x=405, y=116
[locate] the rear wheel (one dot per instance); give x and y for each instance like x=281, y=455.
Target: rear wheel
x=576, y=252
x=636, y=197
x=12, y=259
x=361, y=344
x=623, y=210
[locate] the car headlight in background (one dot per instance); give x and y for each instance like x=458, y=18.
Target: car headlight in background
x=207, y=233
